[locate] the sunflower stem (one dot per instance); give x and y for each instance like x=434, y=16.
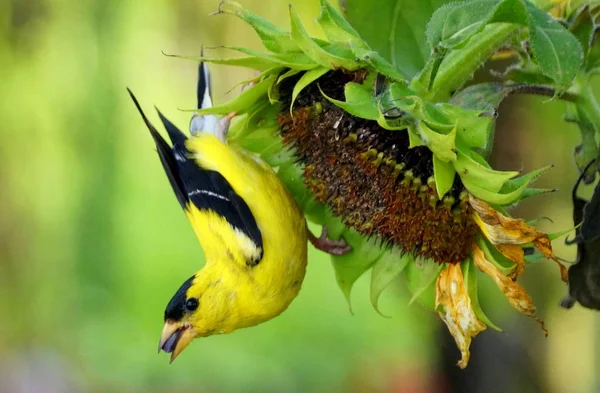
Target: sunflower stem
x=541, y=90
x=459, y=65
x=586, y=100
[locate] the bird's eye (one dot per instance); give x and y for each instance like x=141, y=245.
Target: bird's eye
x=191, y=304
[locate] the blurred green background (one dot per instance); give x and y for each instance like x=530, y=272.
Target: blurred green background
x=93, y=243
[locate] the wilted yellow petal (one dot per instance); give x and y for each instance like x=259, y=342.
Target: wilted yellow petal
x=500, y=229
x=457, y=313
x=514, y=292
x=515, y=254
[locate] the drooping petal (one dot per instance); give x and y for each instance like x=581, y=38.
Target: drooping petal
x=454, y=307
x=515, y=254
x=502, y=230
x=515, y=293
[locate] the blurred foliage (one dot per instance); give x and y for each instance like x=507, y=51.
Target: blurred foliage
x=93, y=243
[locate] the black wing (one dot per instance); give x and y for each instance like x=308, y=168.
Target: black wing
x=206, y=189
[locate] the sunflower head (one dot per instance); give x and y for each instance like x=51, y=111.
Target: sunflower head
x=401, y=179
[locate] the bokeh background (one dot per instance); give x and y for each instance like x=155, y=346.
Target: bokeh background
x=93, y=244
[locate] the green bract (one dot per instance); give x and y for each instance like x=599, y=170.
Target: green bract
x=443, y=127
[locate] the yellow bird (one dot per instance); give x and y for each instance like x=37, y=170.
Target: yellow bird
x=253, y=235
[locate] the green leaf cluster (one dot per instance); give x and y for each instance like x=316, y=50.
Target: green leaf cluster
x=414, y=86
x=556, y=51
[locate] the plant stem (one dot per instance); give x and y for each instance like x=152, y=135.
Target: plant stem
x=459, y=65
x=586, y=100
x=541, y=90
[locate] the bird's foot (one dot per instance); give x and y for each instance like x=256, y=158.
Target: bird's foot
x=333, y=247
x=222, y=127
x=223, y=123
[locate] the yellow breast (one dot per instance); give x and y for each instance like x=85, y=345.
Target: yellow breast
x=266, y=289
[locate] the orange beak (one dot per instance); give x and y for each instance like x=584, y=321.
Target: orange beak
x=175, y=337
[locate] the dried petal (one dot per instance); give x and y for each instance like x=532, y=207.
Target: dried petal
x=502, y=230
x=515, y=254
x=457, y=313
x=514, y=292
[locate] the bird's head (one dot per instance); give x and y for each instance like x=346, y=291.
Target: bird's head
x=200, y=307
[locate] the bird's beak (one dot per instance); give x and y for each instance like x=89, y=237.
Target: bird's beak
x=175, y=337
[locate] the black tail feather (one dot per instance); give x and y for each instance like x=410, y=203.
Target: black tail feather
x=177, y=137
x=203, y=86
x=166, y=154
x=206, y=189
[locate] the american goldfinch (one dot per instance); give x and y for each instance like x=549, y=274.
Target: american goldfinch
x=253, y=234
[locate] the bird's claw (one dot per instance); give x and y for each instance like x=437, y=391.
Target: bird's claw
x=223, y=123
x=333, y=247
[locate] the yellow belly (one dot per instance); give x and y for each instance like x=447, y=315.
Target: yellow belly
x=265, y=290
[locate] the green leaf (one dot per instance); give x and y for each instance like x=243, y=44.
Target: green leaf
x=442, y=145
x=421, y=276
x=511, y=11
x=262, y=141
x=505, y=265
x=527, y=74
x=359, y=102
x=414, y=139
x=555, y=235
x=481, y=96
x=289, y=73
x=296, y=60
x=524, y=181
x=531, y=192
x=273, y=38
x=592, y=61
x=511, y=192
x=315, y=51
x=335, y=225
x=521, y=182
x=305, y=80
x=473, y=127
x=335, y=27
x=377, y=61
x=454, y=23
x=470, y=276
x=460, y=64
x=386, y=269
x=244, y=101
x=349, y=267
x=497, y=198
x=443, y=173
x=555, y=49
x=452, y=26
x=402, y=97
x=291, y=175
x=472, y=172
x=254, y=62
x=588, y=149
x=258, y=77
x=583, y=28
x=395, y=29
